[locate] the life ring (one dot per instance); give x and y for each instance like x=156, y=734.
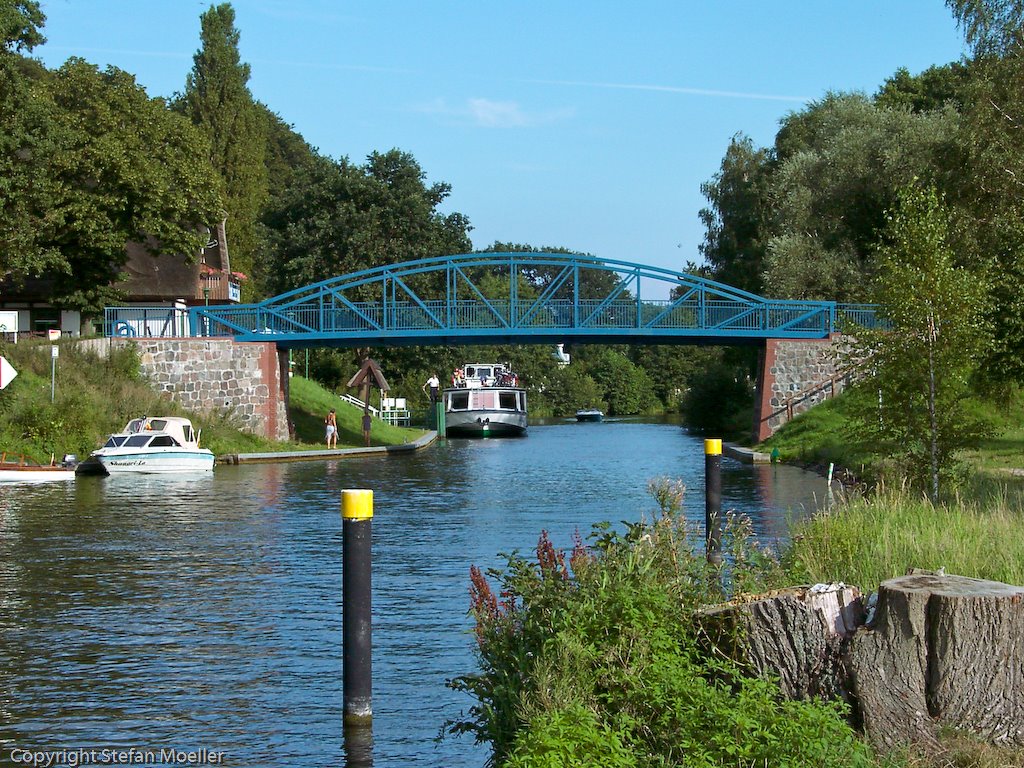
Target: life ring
x=123, y=328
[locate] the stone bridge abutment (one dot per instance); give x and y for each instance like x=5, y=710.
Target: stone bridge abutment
x=794, y=375
x=246, y=381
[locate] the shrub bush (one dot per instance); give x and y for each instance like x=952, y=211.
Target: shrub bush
x=589, y=658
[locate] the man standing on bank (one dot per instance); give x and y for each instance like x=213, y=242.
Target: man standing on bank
x=434, y=383
x=331, y=425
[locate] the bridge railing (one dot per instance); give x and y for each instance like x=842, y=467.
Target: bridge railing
x=149, y=322
x=315, y=319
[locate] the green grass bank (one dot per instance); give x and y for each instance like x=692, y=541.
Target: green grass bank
x=92, y=397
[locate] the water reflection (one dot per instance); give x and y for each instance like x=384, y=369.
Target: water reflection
x=205, y=611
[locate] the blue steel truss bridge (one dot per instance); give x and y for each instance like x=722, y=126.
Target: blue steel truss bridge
x=491, y=298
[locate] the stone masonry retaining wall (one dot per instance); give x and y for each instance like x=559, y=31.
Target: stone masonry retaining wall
x=243, y=379
x=795, y=375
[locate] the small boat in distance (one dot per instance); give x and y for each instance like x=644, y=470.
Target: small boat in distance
x=589, y=414
x=25, y=471
x=152, y=444
x=485, y=400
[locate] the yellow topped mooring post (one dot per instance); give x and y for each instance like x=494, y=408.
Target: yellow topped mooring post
x=713, y=500
x=356, y=629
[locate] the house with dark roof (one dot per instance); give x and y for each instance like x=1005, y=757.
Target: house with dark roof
x=172, y=281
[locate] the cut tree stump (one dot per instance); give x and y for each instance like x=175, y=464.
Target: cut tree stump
x=796, y=635
x=941, y=651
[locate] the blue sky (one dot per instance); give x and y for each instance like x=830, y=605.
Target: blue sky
x=584, y=125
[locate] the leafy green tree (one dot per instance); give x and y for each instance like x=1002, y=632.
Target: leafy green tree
x=841, y=163
x=627, y=388
x=569, y=388
x=217, y=99
x=21, y=23
x=990, y=190
x=672, y=367
x=735, y=220
x=933, y=89
x=990, y=26
x=990, y=203
x=26, y=115
x=287, y=152
x=127, y=169
x=923, y=361
x=92, y=163
x=719, y=400
x=338, y=218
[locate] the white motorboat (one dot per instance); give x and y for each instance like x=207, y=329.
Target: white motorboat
x=589, y=414
x=152, y=444
x=24, y=471
x=484, y=401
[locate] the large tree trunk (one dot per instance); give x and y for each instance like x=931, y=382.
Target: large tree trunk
x=941, y=650
x=797, y=635
x=938, y=651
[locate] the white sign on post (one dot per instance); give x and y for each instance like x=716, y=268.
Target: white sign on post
x=7, y=372
x=9, y=324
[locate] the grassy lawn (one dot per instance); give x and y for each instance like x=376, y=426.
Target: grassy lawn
x=826, y=433
x=309, y=405
x=829, y=432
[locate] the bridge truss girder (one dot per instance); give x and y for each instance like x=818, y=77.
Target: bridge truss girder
x=582, y=299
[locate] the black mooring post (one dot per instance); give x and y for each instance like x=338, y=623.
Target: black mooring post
x=713, y=500
x=357, y=635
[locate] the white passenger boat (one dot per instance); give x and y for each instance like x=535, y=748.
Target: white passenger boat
x=152, y=444
x=25, y=471
x=589, y=414
x=485, y=400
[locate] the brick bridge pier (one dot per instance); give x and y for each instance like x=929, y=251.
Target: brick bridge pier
x=793, y=376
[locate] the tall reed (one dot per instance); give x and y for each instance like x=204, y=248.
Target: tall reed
x=868, y=540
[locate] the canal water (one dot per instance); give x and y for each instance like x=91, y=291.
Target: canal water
x=205, y=612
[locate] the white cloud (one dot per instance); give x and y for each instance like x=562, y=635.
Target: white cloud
x=497, y=114
x=490, y=113
x=677, y=89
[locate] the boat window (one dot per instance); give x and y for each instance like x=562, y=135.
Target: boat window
x=114, y=441
x=137, y=441
x=189, y=434
x=158, y=425
x=482, y=399
x=470, y=372
x=483, y=372
x=459, y=401
x=507, y=400
x=163, y=441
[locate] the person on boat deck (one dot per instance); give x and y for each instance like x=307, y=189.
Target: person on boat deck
x=367, y=426
x=434, y=383
x=331, y=424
